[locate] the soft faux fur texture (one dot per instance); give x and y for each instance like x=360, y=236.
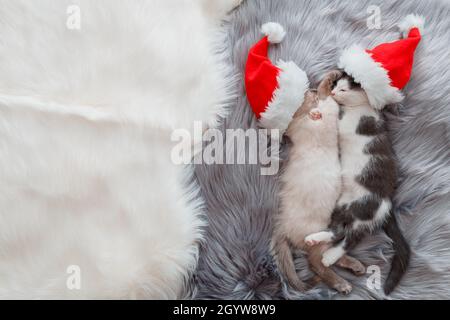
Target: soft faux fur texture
x=86, y=117
x=235, y=260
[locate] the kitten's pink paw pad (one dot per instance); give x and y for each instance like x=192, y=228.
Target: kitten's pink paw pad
x=311, y=243
x=315, y=115
x=312, y=240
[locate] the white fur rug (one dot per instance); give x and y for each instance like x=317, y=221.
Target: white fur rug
x=87, y=186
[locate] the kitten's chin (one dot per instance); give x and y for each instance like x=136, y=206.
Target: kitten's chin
x=340, y=103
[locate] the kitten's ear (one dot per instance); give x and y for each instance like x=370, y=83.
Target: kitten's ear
x=344, y=74
x=340, y=74
x=355, y=85
x=335, y=82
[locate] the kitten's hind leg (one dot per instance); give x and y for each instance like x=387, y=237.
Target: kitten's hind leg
x=341, y=247
x=332, y=255
x=331, y=278
x=351, y=264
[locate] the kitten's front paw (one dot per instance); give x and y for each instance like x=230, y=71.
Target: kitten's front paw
x=334, y=75
x=315, y=114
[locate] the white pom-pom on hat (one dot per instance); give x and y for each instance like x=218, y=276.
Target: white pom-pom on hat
x=274, y=32
x=412, y=21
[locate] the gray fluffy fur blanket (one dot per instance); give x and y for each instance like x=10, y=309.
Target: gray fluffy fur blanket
x=235, y=262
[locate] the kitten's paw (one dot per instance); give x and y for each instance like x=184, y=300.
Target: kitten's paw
x=352, y=264
x=333, y=75
x=331, y=256
x=315, y=114
x=318, y=237
x=343, y=287
x=327, y=261
x=359, y=270
x=310, y=241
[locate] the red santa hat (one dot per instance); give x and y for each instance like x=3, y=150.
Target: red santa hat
x=386, y=69
x=274, y=92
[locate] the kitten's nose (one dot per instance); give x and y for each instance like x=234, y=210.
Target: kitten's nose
x=332, y=93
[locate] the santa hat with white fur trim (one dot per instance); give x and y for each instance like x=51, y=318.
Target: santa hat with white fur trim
x=386, y=69
x=274, y=92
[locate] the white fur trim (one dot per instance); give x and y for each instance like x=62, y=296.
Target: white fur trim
x=292, y=85
x=412, y=21
x=373, y=78
x=274, y=31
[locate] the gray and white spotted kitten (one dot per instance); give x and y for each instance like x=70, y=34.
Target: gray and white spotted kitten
x=369, y=179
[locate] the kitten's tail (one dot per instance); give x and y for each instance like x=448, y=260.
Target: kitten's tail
x=401, y=257
x=285, y=263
